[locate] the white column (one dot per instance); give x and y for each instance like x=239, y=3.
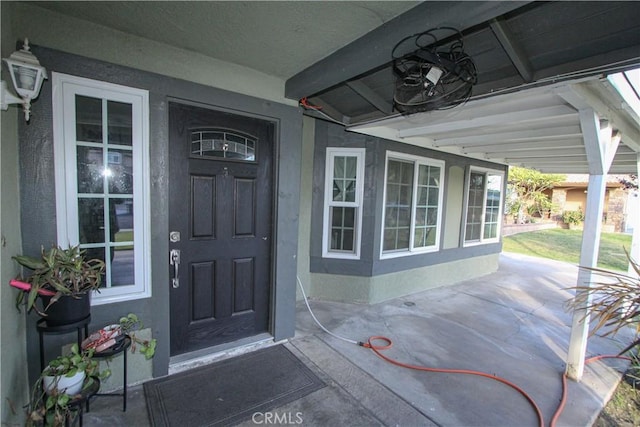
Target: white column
x=600, y=148
x=588, y=258
x=634, y=250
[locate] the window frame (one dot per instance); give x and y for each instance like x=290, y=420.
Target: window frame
x=483, y=240
x=417, y=161
x=65, y=88
x=331, y=154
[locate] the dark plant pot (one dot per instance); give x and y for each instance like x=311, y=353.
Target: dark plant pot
x=67, y=310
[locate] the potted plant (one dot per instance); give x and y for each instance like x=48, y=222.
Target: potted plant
x=59, y=384
x=63, y=279
x=573, y=218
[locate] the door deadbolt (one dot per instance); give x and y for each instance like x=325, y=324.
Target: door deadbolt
x=174, y=236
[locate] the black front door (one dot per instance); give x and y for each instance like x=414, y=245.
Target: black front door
x=220, y=218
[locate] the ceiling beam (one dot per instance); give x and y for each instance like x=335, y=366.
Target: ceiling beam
x=370, y=96
x=327, y=110
x=505, y=148
x=523, y=116
x=374, y=48
x=538, y=153
x=586, y=95
x=550, y=160
x=564, y=169
x=615, y=60
x=625, y=156
x=522, y=136
x=512, y=49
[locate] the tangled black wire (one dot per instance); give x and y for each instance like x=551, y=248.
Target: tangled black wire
x=436, y=74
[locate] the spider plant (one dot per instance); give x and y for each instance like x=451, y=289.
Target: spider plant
x=58, y=272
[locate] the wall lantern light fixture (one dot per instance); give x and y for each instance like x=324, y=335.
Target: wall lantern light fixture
x=27, y=76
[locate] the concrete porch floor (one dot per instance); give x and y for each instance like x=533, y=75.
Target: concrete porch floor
x=512, y=323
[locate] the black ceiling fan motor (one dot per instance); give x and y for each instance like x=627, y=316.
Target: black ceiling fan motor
x=437, y=76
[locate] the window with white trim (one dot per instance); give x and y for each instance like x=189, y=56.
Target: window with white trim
x=412, y=205
x=484, y=206
x=101, y=145
x=344, y=186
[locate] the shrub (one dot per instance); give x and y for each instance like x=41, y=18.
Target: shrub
x=572, y=217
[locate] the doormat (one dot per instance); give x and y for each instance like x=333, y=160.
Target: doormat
x=229, y=391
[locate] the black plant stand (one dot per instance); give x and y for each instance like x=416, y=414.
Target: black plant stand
x=86, y=394
x=121, y=347
x=77, y=402
x=44, y=328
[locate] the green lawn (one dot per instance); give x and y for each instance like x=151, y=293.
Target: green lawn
x=564, y=245
x=124, y=236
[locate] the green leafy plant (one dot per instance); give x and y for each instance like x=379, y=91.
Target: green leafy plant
x=65, y=272
x=131, y=323
x=53, y=408
x=72, y=363
x=573, y=217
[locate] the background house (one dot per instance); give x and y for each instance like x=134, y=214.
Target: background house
x=571, y=195
x=358, y=210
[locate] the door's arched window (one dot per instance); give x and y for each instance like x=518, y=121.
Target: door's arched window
x=221, y=143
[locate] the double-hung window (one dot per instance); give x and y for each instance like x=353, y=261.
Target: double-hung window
x=484, y=206
x=101, y=143
x=412, y=205
x=344, y=186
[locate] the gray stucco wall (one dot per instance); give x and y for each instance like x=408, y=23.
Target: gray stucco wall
x=370, y=264
x=306, y=198
x=13, y=377
x=14, y=389
x=90, y=40
x=38, y=192
x=371, y=279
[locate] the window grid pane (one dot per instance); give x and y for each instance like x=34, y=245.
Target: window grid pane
x=120, y=123
x=342, y=229
x=475, y=206
x=426, y=206
x=344, y=179
x=106, y=192
x=398, y=205
x=483, y=208
x=89, y=120
x=492, y=210
x=343, y=202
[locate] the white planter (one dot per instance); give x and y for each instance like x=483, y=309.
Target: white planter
x=69, y=385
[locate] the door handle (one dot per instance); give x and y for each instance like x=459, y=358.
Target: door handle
x=174, y=259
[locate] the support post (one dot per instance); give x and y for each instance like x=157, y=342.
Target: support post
x=600, y=146
x=588, y=258
x=634, y=250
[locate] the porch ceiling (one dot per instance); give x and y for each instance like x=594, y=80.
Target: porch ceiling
x=536, y=128
x=523, y=111
x=338, y=53
x=278, y=38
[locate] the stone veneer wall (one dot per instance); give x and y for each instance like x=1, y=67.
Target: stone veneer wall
x=558, y=199
x=615, y=210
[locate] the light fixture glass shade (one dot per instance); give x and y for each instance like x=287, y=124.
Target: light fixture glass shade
x=26, y=80
x=27, y=76
x=26, y=72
